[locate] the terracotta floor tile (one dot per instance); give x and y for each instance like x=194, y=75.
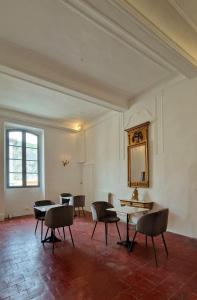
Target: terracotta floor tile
x=92, y=271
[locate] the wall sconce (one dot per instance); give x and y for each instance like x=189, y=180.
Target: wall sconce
x=65, y=162
x=78, y=127
x=65, y=159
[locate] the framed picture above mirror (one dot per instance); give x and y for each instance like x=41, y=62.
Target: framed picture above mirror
x=138, y=162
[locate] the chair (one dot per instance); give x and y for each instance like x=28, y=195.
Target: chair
x=101, y=214
x=65, y=198
x=153, y=224
x=39, y=215
x=59, y=217
x=79, y=202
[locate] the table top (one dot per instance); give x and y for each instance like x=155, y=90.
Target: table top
x=46, y=207
x=128, y=210
x=137, y=201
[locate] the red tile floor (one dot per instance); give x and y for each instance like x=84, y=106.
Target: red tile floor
x=92, y=271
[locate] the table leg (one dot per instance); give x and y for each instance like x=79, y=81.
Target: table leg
x=127, y=243
x=51, y=238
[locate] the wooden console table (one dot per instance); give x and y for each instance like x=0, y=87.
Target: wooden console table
x=136, y=203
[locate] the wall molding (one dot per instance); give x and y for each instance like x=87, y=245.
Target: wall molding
x=141, y=113
x=183, y=14
x=161, y=37
x=159, y=124
x=121, y=141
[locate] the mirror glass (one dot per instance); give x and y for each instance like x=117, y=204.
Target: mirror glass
x=138, y=163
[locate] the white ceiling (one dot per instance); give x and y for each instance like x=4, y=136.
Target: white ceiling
x=22, y=96
x=102, y=51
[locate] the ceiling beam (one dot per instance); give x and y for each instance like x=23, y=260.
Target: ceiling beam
x=33, y=67
x=24, y=119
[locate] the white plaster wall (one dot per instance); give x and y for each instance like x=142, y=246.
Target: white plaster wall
x=173, y=153
x=19, y=201
x=102, y=152
x=59, y=179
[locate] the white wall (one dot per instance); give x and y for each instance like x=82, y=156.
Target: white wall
x=102, y=153
x=59, y=179
x=173, y=153
x=19, y=201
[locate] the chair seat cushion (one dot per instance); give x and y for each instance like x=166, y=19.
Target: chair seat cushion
x=110, y=219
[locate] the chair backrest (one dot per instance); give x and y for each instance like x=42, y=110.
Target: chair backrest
x=65, y=198
x=99, y=211
x=153, y=223
x=79, y=201
x=66, y=195
x=60, y=216
x=38, y=213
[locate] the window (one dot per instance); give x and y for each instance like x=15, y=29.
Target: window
x=22, y=149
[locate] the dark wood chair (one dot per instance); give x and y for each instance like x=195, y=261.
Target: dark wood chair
x=79, y=202
x=39, y=215
x=59, y=217
x=101, y=214
x=153, y=224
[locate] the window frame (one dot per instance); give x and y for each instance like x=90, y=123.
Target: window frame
x=24, y=147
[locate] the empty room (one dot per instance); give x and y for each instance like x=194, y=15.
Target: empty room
x=98, y=149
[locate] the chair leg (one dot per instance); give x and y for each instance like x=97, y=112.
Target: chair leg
x=71, y=236
x=78, y=211
x=94, y=229
x=53, y=234
x=133, y=240
x=146, y=240
x=134, y=236
x=165, y=244
x=75, y=212
x=106, y=232
x=118, y=231
x=154, y=251
x=83, y=211
x=58, y=232
x=41, y=228
x=36, y=225
x=64, y=233
x=45, y=235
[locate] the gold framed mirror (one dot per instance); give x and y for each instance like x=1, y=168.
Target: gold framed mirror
x=138, y=161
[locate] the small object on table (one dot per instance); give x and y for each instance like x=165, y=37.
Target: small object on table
x=135, y=194
x=128, y=211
